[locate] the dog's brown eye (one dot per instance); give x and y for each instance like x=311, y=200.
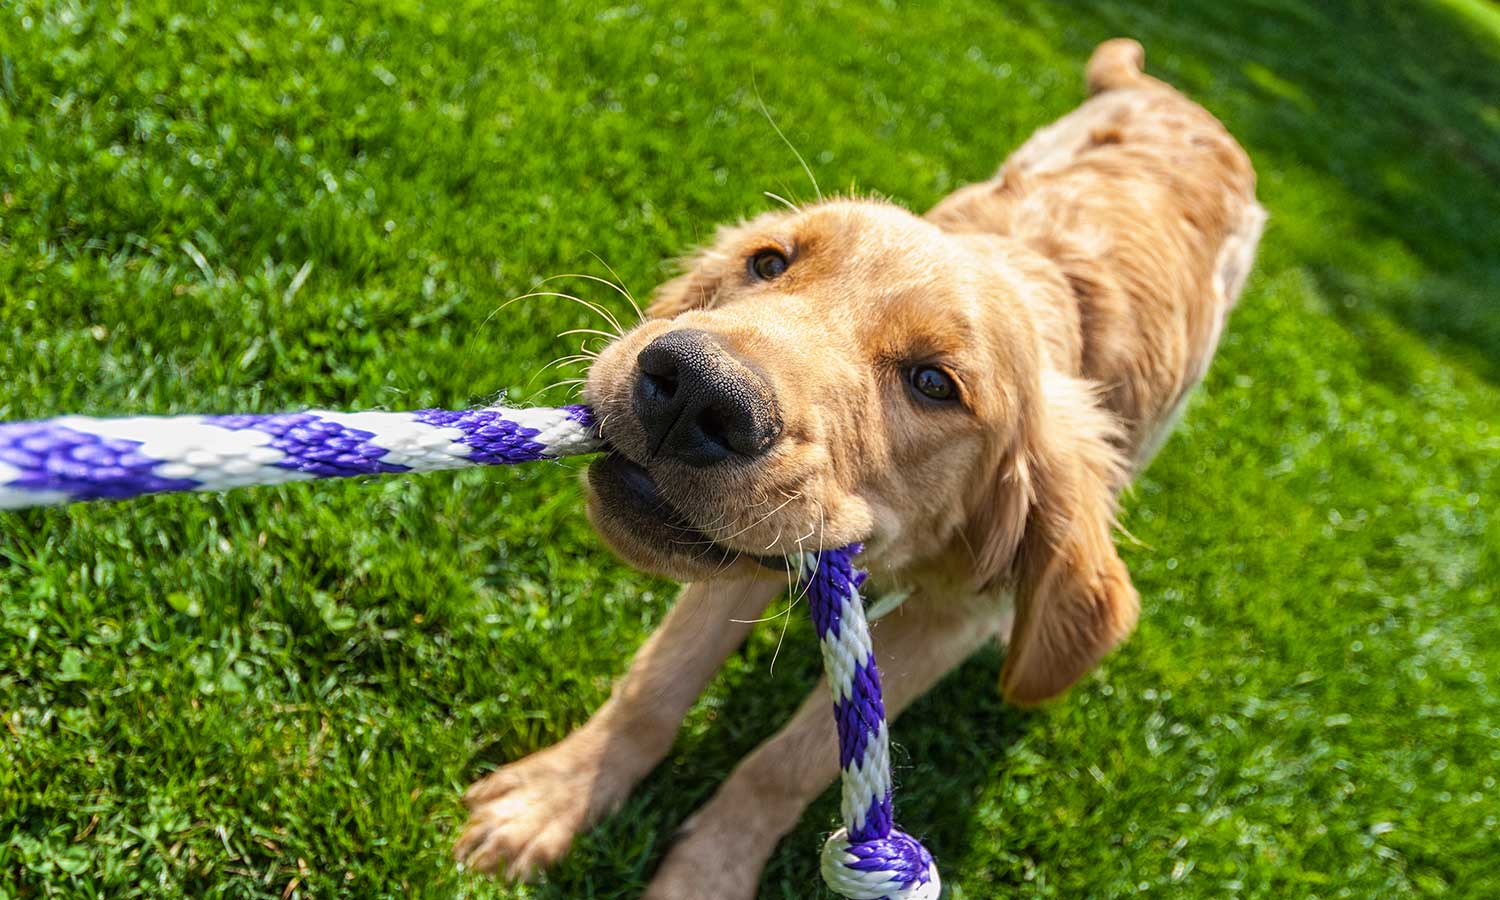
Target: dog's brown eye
x=933, y=383
x=767, y=264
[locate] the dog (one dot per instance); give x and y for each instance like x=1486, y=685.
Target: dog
x=966, y=392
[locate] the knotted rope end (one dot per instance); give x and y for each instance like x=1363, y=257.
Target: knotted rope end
x=895, y=867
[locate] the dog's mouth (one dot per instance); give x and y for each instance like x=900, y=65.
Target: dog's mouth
x=636, y=516
x=629, y=492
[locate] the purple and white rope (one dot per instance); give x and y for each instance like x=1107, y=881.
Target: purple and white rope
x=71, y=458
x=62, y=460
x=869, y=858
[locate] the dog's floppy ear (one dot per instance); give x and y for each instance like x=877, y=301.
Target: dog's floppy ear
x=1046, y=531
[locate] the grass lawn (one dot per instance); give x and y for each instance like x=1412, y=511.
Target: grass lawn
x=213, y=206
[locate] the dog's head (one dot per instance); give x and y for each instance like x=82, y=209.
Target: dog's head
x=851, y=372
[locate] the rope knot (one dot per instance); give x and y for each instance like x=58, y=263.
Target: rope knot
x=894, y=867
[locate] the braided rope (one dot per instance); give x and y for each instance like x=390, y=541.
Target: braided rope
x=869, y=858
x=73, y=458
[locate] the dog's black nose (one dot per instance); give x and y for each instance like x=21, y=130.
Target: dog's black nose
x=699, y=404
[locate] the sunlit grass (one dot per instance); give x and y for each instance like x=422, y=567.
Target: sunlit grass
x=225, y=207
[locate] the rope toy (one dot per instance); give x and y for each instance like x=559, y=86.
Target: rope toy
x=869, y=858
x=72, y=458
x=79, y=458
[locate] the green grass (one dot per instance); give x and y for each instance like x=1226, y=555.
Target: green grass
x=216, y=207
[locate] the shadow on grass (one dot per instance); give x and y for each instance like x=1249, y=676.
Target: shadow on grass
x=943, y=753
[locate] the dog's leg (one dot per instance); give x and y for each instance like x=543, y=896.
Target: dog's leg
x=724, y=846
x=523, y=816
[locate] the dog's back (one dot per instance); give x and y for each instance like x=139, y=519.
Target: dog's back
x=1146, y=206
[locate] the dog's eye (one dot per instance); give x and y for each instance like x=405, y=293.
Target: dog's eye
x=767, y=264
x=933, y=383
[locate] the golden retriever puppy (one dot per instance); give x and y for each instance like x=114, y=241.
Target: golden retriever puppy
x=966, y=392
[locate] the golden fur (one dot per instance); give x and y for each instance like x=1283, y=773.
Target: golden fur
x=1075, y=299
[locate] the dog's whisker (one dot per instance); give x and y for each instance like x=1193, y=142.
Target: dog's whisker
x=725, y=564
x=708, y=539
x=782, y=200
x=617, y=288
x=710, y=527
x=784, y=139
x=554, y=384
x=806, y=585
x=603, y=334
x=560, y=361
x=623, y=289
x=791, y=583
x=603, y=310
x=721, y=517
x=589, y=305
x=711, y=543
x=806, y=536
x=818, y=562
x=757, y=522
x=785, y=611
x=791, y=604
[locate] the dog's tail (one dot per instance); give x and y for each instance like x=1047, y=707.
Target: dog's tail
x=1116, y=63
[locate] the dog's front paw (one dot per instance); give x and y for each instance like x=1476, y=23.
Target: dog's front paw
x=522, y=817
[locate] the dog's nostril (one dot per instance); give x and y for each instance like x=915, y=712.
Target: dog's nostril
x=663, y=386
x=711, y=423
